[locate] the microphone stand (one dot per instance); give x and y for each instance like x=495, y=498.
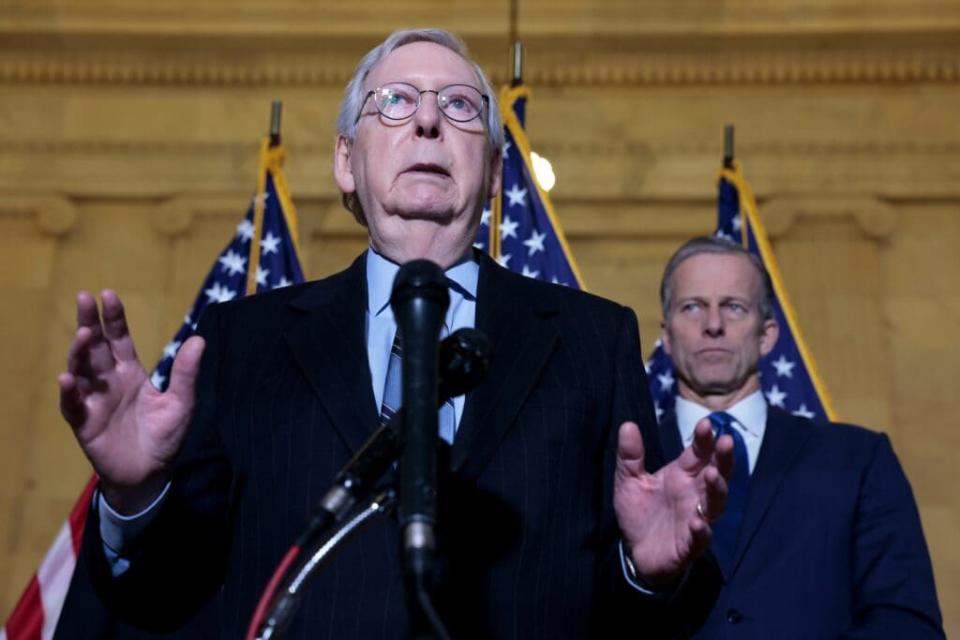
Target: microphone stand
x=419, y=300
x=287, y=601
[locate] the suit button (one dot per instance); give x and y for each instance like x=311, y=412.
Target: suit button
x=734, y=616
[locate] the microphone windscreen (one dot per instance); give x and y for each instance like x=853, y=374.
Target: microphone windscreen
x=421, y=279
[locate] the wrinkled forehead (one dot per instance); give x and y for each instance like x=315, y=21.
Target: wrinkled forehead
x=426, y=65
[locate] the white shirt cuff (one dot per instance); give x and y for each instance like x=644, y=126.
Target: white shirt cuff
x=118, y=531
x=630, y=574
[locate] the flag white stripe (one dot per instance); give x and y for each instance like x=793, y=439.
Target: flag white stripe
x=54, y=577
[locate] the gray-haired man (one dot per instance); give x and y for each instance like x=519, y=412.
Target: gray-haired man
x=550, y=523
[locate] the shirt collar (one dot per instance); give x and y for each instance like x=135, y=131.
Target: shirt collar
x=750, y=414
x=463, y=278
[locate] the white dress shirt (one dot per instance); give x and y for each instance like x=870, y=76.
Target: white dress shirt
x=381, y=327
x=749, y=419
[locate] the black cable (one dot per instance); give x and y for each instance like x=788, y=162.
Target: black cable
x=426, y=605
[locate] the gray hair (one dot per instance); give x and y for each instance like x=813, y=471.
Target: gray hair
x=354, y=94
x=715, y=245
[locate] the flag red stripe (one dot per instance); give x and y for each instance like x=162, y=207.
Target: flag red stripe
x=26, y=621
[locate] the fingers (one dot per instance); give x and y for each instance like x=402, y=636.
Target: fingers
x=630, y=451
x=715, y=494
x=700, y=452
x=186, y=365
x=101, y=340
x=72, y=408
x=78, y=356
x=87, y=314
x=115, y=326
x=723, y=456
x=700, y=533
x=703, y=441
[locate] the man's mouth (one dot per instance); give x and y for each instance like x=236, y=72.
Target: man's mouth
x=428, y=168
x=713, y=353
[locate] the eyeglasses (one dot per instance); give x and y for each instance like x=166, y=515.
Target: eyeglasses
x=399, y=100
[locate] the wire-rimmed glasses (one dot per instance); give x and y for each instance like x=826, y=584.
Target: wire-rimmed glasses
x=400, y=100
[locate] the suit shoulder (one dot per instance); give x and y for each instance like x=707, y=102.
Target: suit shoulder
x=841, y=436
x=265, y=300
x=304, y=292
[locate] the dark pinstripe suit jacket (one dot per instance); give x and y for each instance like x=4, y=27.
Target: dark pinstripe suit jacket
x=528, y=535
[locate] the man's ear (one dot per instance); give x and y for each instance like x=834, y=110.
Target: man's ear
x=769, y=333
x=342, y=169
x=664, y=337
x=496, y=174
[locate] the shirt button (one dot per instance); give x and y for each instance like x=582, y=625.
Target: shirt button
x=734, y=616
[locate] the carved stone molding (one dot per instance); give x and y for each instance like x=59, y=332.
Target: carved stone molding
x=728, y=65
x=176, y=215
x=53, y=215
x=370, y=18
x=550, y=147
x=812, y=148
x=114, y=68
x=579, y=66
x=135, y=147
x=874, y=218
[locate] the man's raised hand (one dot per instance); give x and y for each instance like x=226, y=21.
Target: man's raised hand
x=130, y=431
x=665, y=517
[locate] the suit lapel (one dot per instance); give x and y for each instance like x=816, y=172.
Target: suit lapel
x=783, y=443
x=328, y=341
x=522, y=342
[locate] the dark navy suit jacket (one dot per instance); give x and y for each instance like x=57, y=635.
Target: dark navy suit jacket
x=831, y=544
x=528, y=537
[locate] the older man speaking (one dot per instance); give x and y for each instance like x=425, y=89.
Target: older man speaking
x=556, y=518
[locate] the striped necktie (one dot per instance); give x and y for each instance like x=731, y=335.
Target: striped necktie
x=393, y=394
x=727, y=526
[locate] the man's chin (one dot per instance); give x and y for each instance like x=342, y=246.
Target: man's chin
x=433, y=211
x=715, y=386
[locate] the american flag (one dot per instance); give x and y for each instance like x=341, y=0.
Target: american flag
x=519, y=228
x=788, y=374
x=268, y=238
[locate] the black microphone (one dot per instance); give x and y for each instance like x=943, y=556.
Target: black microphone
x=464, y=359
x=419, y=300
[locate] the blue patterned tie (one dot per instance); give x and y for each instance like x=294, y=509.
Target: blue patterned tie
x=393, y=395
x=727, y=526
x=392, y=387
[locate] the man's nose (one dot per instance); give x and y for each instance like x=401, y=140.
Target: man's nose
x=428, y=116
x=714, y=322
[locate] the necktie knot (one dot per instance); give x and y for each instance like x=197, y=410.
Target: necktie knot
x=722, y=423
x=393, y=394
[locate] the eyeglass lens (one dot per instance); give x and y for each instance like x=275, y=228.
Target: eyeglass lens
x=399, y=100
